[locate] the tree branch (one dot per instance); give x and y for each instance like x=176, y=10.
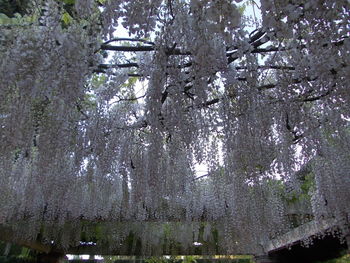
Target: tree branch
x=129, y=99
x=124, y=65
x=168, y=51
x=127, y=48
x=129, y=39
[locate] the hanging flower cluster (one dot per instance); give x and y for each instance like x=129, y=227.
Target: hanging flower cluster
x=101, y=132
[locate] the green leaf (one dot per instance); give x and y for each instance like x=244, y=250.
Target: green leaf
x=69, y=2
x=4, y=19
x=66, y=18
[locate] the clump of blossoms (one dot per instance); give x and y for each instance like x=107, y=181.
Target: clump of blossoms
x=108, y=106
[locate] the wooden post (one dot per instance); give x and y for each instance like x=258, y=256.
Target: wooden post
x=7, y=249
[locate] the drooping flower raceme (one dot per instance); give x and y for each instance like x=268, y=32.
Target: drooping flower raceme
x=101, y=132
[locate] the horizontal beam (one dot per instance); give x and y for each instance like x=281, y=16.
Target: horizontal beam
x=300, y=233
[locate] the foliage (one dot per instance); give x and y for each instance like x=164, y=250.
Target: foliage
x=16, y=254
x=156, y=260
x=189, y=259
x=10, y=7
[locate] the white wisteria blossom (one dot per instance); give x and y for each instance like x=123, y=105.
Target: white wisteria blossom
x=88, y=155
